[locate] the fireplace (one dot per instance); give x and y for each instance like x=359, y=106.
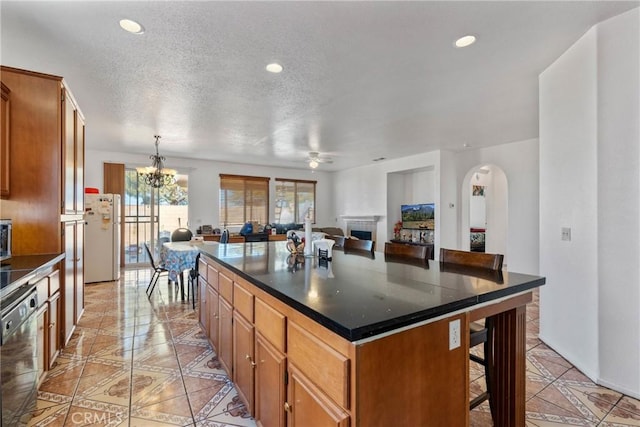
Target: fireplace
x=361, y=227
x=362, y=234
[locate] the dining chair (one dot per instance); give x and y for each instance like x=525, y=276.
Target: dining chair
x=339, y=241
x=181, y=235
x=193, y=281
x=478, y=333
x=404, y=252
x=158, y=269
x=365, y=247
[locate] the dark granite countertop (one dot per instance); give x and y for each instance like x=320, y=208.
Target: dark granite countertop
x=19, y=271
x=358, y=297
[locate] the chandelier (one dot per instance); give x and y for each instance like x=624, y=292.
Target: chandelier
x=157, y=175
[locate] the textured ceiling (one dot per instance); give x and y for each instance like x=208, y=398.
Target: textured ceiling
x=361, y=80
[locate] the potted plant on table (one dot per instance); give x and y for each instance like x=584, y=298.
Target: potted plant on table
x=396, y=229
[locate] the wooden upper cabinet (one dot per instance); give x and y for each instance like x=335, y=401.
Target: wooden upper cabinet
x=35, y=165
x=79, y=178
x=5, y=137
x=73, y=149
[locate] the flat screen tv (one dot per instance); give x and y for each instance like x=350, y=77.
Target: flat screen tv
x=418, y=216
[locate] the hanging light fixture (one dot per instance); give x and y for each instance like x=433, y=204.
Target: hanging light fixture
x=157, y=175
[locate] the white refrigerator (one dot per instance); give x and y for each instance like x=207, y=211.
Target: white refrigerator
x=102, y=237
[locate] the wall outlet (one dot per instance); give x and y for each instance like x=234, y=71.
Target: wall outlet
x=454, y=334
x=566, y=234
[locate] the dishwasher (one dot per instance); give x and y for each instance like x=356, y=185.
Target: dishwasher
x=19, y=356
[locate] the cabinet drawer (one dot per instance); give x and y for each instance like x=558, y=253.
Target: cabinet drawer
x=225, y=285
x=271, y=324
x=202, y=268
x=243, y=301
x=212, y=274
x=325, y=367
x=42, y=286
x=54, y=282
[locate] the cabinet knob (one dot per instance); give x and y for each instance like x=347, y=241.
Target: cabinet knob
x=288, y=407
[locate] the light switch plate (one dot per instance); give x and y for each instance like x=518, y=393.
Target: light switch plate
x=566, y=234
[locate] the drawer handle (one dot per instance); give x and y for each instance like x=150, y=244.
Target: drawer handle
x=253, y=364
x=288, y=407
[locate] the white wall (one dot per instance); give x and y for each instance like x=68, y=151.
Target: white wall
x=364, y=190
x=618, y=58
x=589, y=181
x=519, y=162
x=204, y=183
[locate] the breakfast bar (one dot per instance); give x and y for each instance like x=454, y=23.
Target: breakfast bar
x=356, y=340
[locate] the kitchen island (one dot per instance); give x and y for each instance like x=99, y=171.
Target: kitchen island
x=359, y=341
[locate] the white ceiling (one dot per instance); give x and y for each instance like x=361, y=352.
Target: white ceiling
x=361, y=80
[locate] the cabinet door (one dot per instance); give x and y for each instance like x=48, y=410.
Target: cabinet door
x=204, y=305
x=225, y=335
x=308, y=406
x=43, y=326
x=68, y=290
x=5, y=115
x=54, y=335
x=270, y=388
x=79, y=251
x=69, y=154
x=243, y=359
x=79, y=166
x=212, y=297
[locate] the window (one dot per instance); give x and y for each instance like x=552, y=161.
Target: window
x=295, y=200
x=243, y=199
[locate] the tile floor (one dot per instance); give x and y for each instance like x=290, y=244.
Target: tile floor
x=132, y=362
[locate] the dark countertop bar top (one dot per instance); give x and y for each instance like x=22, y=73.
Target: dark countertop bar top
x=358, y=297
x=21, y=270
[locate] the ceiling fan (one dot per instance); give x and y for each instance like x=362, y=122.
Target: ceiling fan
x=315, y=159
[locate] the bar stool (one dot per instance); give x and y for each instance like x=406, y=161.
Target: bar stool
x=478, y=333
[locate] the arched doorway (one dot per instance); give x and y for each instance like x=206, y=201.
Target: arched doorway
x=485, y=218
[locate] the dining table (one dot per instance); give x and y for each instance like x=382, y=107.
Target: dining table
x=177, y=257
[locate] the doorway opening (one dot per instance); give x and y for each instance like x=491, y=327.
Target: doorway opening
x=485, y=210
x=151, y=215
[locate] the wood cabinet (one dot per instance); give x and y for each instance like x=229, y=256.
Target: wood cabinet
x=203, y=304
x=73, y=279
x=73, y=156
x=244, y=358
x=46, y=176
x=270, y=384
x=234, y=238
x=54, y=331
x=5, y=141
x=307, y=405
x=42, y=316
x=48, y=288
x=213, y=301
x=225, y=335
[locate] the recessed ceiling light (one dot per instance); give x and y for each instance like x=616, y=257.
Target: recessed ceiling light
x=465, y=41
x=131, y=26
x=274, y=68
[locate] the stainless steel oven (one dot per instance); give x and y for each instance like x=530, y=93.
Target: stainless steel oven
x=5, y=239
x=19, y=356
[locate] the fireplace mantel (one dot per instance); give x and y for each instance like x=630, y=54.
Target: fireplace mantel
x=362, y=218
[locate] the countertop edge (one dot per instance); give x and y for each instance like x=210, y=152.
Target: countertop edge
x=383, y=327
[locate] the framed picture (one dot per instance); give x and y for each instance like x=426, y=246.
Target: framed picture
x=478, y=190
